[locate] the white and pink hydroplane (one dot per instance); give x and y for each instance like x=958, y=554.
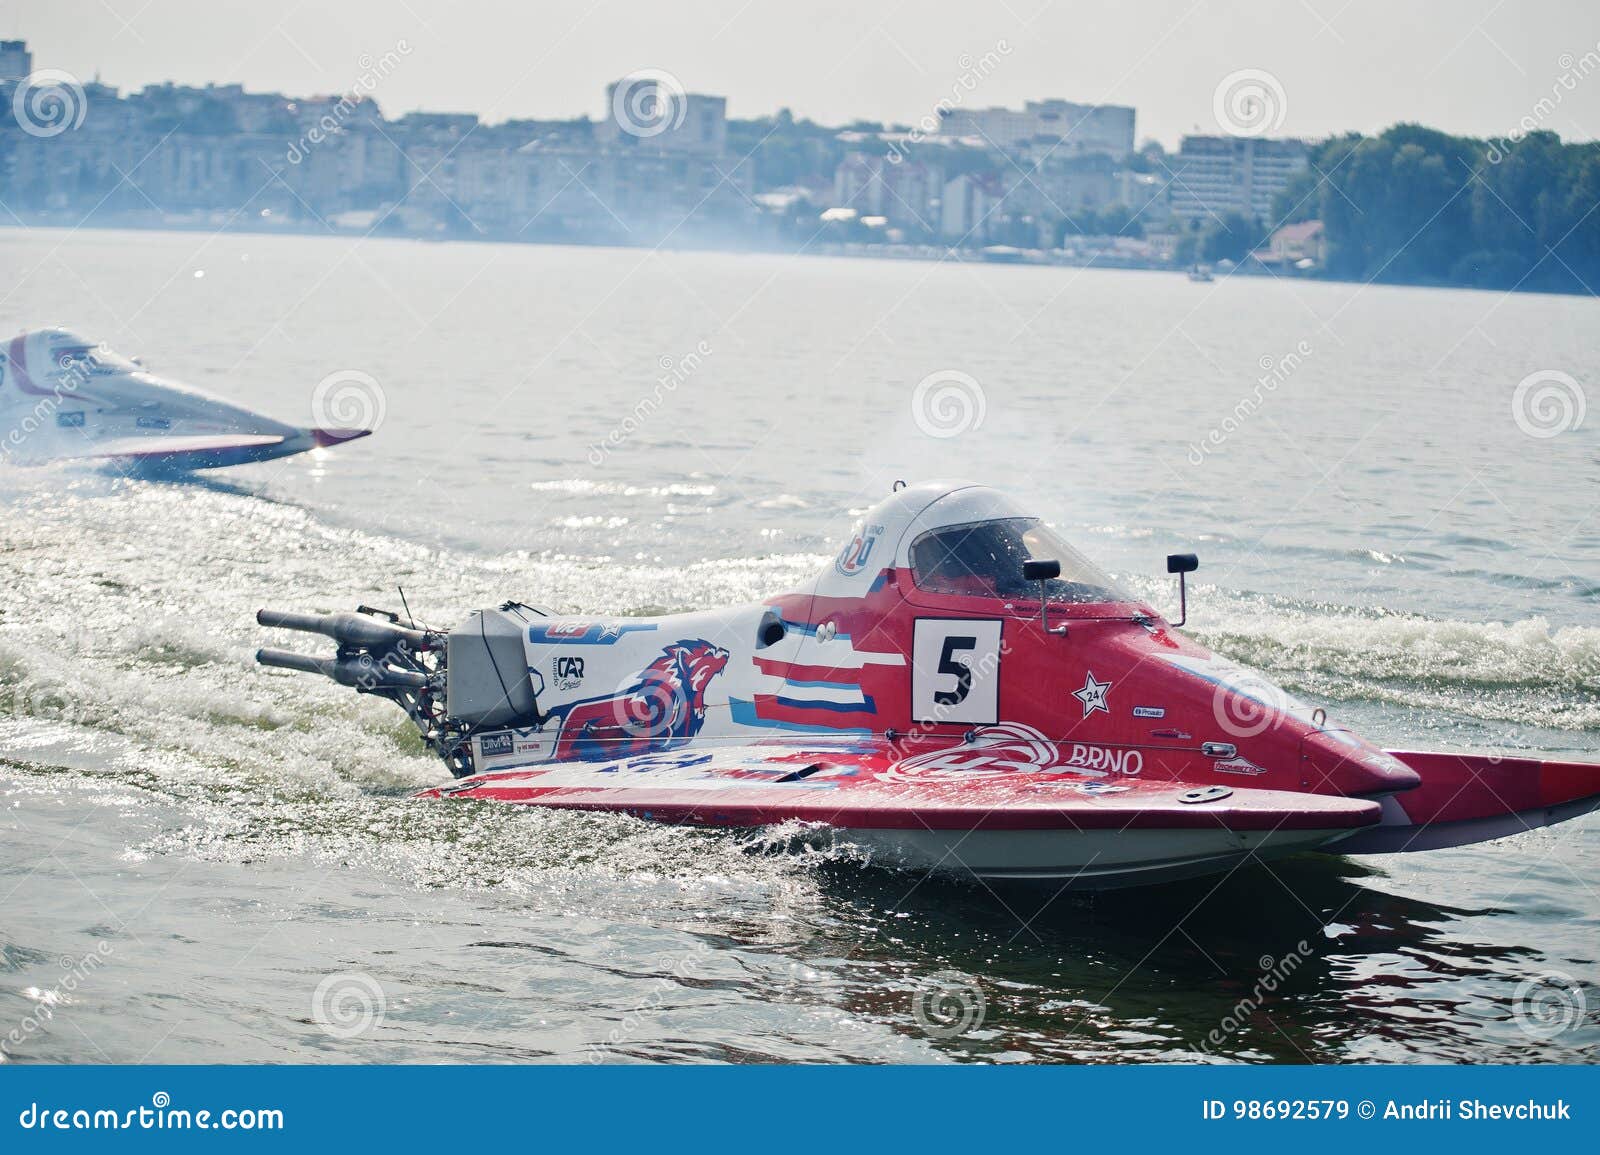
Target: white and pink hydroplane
x=65, y=398
x=958, y=688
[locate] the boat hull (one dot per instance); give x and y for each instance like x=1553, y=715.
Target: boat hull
x=1085, y=860
x=1074, y=829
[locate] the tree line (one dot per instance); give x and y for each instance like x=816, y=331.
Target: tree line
x=1415, y=205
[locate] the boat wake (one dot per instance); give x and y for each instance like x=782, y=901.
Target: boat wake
x=127, y=644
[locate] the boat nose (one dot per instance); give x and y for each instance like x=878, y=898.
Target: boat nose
x=1342, y=761
x=326, y=437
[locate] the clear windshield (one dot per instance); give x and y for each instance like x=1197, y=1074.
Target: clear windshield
x=984, y=559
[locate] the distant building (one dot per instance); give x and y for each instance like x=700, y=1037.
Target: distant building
x=906, y=193
x=1145, y=196
x=1058, y=186
x=1296, y=244
x=1215, y=175
x=968, y=203
x=647, y=113
x=15, y=59
x=439, y=125
x=1075, y=128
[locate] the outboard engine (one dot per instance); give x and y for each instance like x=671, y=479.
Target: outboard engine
x=490, y=683
x=450, y=684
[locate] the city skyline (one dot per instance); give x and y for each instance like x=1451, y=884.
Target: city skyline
x=1168, y=60
x=660, y=163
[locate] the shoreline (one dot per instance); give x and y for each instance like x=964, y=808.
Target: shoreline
x=1033, y=258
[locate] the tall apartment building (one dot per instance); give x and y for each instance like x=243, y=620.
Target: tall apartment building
x=15, y=60
x=907, y=193
x=647, y=113
x=1214, y=175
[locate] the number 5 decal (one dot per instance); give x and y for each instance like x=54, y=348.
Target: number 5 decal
x=955, y=671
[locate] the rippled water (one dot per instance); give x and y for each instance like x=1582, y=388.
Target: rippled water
x=196, y=846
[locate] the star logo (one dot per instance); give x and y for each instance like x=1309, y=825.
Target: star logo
x=1093, y=695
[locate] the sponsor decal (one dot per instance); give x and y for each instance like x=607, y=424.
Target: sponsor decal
x=70, y=419
x=853, y=557
x=1089, y=788
x=521, y=745
x=1237, y=766
x=154, y=423
x=1149, y=711
x=495, y=745
x=1104, y=760
x=568, y=671
x=663, y=709
x=1093, y=695
x=1012, y=748
x=656, y=763
x=996, y=751
x=585, y=633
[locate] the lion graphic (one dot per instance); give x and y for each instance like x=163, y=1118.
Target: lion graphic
x=663, y=709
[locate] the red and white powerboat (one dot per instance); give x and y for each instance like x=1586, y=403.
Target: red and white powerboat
x=958, y=689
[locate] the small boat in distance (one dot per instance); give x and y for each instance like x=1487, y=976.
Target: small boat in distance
x=65, y=398
x=1201, y=273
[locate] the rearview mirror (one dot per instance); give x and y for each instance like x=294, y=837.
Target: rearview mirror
x=1042, y=570
x=1180, y=564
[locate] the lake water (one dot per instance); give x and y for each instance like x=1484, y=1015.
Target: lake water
x=202, y=858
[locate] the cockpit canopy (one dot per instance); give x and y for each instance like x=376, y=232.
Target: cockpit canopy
x=60, y=351
x=984, y=559
x=956, y=538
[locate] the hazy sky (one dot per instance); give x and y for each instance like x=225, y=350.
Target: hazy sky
x=1469, y=66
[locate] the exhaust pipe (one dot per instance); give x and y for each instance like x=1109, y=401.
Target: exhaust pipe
x=359, y=631
x=359, y=670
